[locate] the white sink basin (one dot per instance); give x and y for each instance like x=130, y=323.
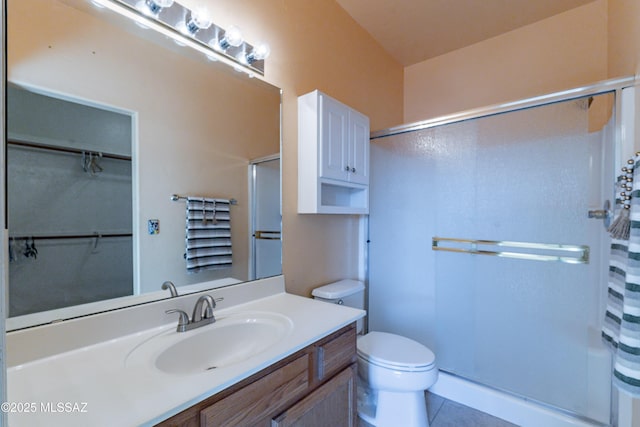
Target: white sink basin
x=231, y=339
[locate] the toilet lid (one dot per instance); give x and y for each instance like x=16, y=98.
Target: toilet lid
x=395, y=352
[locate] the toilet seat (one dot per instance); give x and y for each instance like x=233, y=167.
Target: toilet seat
x=395, y=352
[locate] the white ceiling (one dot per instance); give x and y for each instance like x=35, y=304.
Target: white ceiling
x=415, y=30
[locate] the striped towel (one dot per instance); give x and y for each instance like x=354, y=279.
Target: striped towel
x=208, y=236
x=621, y=326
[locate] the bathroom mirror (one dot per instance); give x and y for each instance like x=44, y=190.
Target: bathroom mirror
x=106, y=121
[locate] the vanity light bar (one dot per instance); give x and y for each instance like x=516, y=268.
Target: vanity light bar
x=190, y=28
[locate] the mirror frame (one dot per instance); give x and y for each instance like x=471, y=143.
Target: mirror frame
x=4, y=256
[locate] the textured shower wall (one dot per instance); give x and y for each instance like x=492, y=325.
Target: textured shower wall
x=567, y=50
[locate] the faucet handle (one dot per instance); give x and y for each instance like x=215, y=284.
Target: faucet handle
x=183, y=321
x=172, y=288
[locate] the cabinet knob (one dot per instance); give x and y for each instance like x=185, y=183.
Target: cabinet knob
x=346, y=168
x=353, y=170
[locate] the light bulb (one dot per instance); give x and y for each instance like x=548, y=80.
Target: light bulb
x=197, y=20
x=153, y=7
x=232, y=37
x=259, y=53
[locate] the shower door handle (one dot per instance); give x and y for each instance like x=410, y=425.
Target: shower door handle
x=603, y=214
x=598, y=214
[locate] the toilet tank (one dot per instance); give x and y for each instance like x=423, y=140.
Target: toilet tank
x=343, y=292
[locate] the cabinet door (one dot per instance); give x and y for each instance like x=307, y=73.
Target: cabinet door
x=334, y=139
x=358, y=148
x=333, y=404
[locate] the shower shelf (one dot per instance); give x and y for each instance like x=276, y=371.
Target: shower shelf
x=570, y=254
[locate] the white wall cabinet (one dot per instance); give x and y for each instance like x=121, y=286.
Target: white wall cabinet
x=333, y=157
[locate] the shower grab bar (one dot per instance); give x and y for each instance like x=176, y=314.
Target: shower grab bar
x=570, y=254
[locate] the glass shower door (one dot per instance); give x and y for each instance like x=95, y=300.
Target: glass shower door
x=520, y=325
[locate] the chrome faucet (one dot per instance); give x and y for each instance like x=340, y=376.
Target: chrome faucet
x=205, y=304
x=172, y=288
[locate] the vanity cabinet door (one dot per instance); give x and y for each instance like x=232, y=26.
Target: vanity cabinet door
x=332, y=404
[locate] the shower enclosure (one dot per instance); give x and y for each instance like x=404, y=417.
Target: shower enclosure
x=481, y=246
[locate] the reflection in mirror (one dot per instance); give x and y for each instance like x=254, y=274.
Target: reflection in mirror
x=267, y=218
x=69, y=200
x=153, y=119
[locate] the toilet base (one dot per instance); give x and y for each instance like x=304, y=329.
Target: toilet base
x=391, y=409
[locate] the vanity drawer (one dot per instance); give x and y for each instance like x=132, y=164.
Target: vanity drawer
x=253, y=403
x=335, y=354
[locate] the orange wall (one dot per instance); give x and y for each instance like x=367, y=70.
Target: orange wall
x=317, y=45
x=564, y=51
x=624, y=37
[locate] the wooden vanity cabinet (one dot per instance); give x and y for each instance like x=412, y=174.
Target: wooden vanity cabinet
x=313, y=387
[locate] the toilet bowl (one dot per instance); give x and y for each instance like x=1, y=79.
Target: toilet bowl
x=393, y=371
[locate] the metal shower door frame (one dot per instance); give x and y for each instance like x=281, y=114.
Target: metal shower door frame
x=605, y=86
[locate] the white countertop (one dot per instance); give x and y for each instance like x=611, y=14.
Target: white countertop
x=92, y=386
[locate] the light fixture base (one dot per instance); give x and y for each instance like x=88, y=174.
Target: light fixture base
x=176, y=16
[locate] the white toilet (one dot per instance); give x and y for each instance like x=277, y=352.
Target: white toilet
x=394, y=371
